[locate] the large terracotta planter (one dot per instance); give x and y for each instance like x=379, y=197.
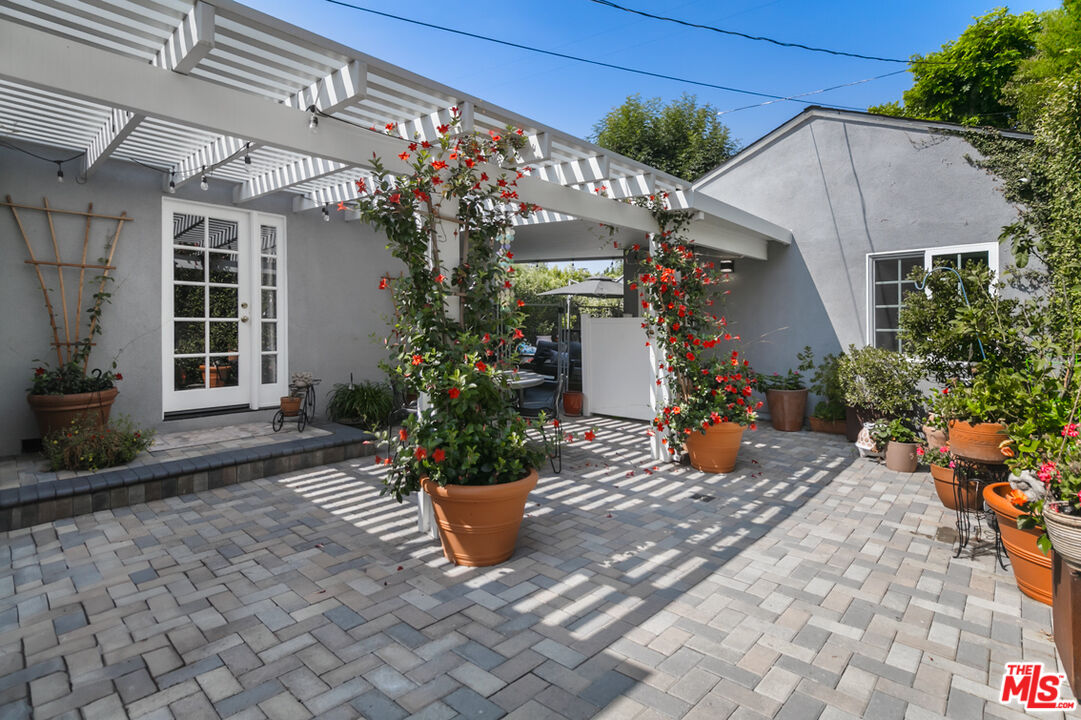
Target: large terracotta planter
x=786, y=408
x=946, y=488
x=478, y=524
x=834, y=427
x=1064, y=532
x=716, y=450
x=977, y=442
x=935, y=438
x=56, y=412
x=1031, y=568
x=901, y=457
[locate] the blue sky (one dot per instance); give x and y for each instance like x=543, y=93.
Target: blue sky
x=572, y=96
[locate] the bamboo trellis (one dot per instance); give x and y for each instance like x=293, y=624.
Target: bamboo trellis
x=67, y=349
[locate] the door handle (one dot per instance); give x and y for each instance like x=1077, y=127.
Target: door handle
x=244, y=318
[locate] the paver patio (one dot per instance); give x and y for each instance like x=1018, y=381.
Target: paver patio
x=807, y=583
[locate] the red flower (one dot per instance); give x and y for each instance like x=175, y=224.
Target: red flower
x=438, y=455
x=403, y=435
x=382, y=283
x=521, y=303
x=454, y=393
x=361, y=187
x=420, y=453
x=119, y=376
x=518, y=334
x=417, y=359
x=440, y=277
x=396, y=198
x=589, y=435
x=39, y=372
x=403, y=155
x=510, y=256
x=690, y=356
x=481, y=366
x=341, y=207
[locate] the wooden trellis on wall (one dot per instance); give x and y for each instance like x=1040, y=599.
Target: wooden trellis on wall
x=68, y=348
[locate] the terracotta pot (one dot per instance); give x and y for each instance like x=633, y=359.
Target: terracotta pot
x=1065, y=534
x=1031, y=568
x=56, y=412
x=834, y=427
x=786, y=408
x=572, y=402
x=716, y=450
x=977, y=442
x=902, y=457
x=478, y=524
x=290, y=406
x=935, y=438
x=946, y=488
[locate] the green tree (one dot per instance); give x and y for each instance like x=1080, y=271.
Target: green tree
x=542, y=312
x=1058, y=55
x=965, y=81
x=682, y=138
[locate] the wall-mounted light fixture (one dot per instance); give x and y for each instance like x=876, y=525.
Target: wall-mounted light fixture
x=726, y=266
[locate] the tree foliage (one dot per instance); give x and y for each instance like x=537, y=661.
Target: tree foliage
x=542, y=312
x=682, y=138
x=965, y=81
x=1058, y=55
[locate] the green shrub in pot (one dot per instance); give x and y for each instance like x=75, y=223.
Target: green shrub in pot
x=366, y=404
x=879, y=383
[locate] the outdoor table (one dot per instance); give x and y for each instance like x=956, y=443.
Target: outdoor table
x=521, y=379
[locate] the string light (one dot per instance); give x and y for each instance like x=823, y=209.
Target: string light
x=247, y=157
x=203, y=183
x=326, y=214
x=313, y=121
x=172, y=183
x=60, y=171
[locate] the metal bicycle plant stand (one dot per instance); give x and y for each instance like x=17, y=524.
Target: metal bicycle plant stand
x=304, y=415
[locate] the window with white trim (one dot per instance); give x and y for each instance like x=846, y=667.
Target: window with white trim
x=888, y=283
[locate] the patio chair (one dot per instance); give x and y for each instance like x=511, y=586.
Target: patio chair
x=545, y=398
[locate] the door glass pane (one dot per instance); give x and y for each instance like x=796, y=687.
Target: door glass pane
x=222, y=371
x=886, y=294
x=223, y=302
x=224, y=268
x=188, y=301
x=270, y=303
x=270, y=272
x=886, y=269
x=223, y=337
x=188, y=229
x=270, y=369
x=189, y=338
x=270, y=336
x=268, y=240
x=188, y=374
x=188, y=265
x=223, y=234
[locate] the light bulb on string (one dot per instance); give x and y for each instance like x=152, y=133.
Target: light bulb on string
x=203, y=183
x=59, y=172
x=326, y=214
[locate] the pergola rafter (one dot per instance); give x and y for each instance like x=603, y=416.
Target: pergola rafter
x=189, y=43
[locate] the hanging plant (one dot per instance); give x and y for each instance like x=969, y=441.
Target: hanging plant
x=708, y=382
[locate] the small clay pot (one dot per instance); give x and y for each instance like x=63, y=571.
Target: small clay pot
x=786, y=408
x=901, y=456
x=290, y=406
x=946, y=489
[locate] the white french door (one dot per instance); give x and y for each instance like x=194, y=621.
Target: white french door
x=223, y=301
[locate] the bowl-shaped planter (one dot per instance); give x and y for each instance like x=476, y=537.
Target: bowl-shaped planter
x=902, y=457
x=478, y=524
x=946, y=488
x=935, y=438
x=1064, y=531
x=572, y=402
x=833, y=427
x=977, y=442
x=1031, y=568
x=786, y=408
x=56, y=412
x=716, y=450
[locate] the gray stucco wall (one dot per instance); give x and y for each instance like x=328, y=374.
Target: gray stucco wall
x=333, y=273
x=846, y=186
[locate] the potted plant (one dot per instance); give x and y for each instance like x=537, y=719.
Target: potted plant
x=829, y=413
x=786, y=398
x=366, y=404
x=977, y=414
x=86, y=445
x=900, y=442
x=708, y=401
x=468, y=449
x=60, y=396
x=1022, y=537
x=941, y=463
x=879, y=383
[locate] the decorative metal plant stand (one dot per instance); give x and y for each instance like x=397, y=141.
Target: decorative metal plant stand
x=304, y=415
x=967, y=520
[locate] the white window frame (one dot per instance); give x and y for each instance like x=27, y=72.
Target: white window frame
x=260, y=396
x=991, y=248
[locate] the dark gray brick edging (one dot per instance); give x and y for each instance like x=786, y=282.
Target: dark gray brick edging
x=57, y=499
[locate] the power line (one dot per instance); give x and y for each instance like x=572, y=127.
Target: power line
x=761, y=38
x=813, y=92
x=588, y=61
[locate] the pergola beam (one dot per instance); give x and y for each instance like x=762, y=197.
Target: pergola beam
x=331, y=93
x=576, y=172
x=300, y=171
x=189, y=43
x=44, y=60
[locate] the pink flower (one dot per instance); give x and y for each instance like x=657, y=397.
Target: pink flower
x=1070, y=430
x=1047, y=472
x=920, y=451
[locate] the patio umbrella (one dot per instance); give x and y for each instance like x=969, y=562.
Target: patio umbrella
x=591, y=287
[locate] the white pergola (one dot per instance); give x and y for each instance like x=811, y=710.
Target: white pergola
x=194, y=87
